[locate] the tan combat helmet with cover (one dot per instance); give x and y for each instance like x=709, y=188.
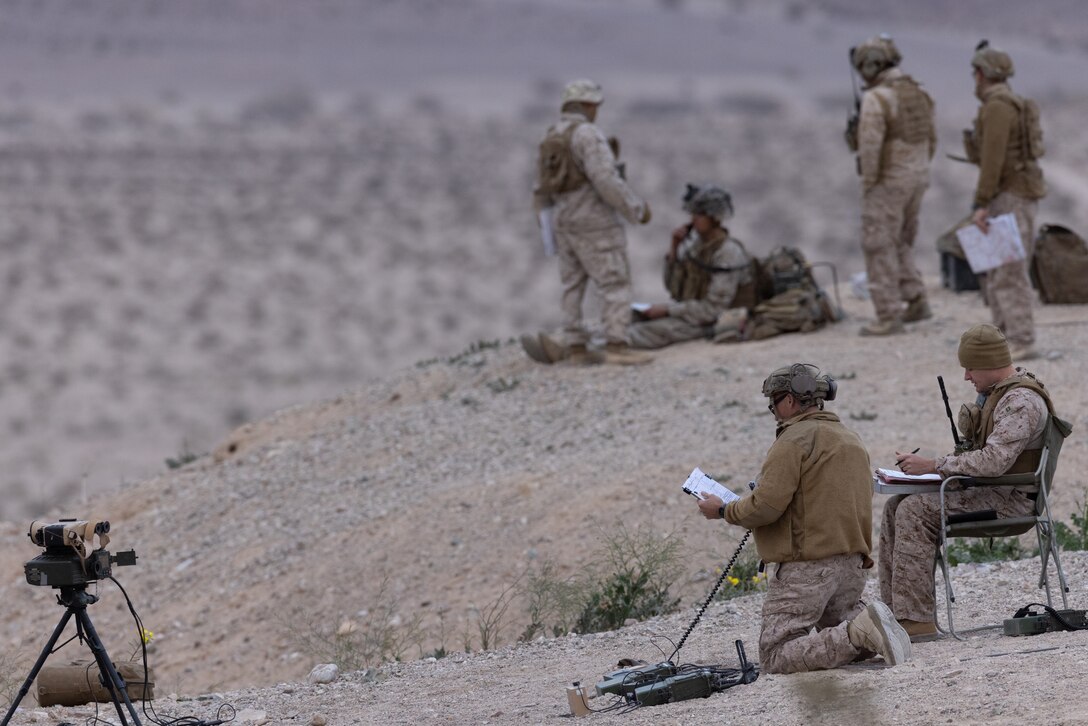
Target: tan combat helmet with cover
x=583, y=90
x=874, y=56
x=995, y=65
x=804, y=381
x=709, y=201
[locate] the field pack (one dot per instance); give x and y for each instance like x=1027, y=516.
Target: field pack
x=1059, y=268
x=788, y=300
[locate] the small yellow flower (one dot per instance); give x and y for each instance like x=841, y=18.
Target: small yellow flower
x=734, y=581
x=146, y=635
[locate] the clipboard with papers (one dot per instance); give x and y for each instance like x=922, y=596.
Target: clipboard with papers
x=893, y=481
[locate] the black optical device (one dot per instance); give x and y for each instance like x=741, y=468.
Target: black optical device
x=61, y=564
x=69, y=563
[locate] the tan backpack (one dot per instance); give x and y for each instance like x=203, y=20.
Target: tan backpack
x=1059, y=267
x=788, y=300
x=557, y=170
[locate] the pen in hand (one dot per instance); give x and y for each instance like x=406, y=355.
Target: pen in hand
x=900, y=461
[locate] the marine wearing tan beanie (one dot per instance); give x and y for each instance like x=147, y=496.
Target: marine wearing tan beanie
x=984, y=347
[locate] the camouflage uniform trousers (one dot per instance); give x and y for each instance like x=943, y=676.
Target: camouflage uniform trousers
x=601, y=256
x=908, y=543
x=1007, y=289
x=889, y=224
x=822, y=594
x=664, y=331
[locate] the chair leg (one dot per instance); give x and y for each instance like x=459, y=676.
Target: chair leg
x=1044, y=557
x=1064, y=588
x=949, y=595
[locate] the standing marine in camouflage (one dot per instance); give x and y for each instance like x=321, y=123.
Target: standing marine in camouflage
x=578, y=177
x=706, y=273
x=1004, y=431
x=811, y=514
x=1006, y=142
x=895, y=143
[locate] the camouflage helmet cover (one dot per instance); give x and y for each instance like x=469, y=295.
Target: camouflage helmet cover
x=875, y=55
x=994, y=64
x=803, y=380
x=583, y=90
x=710, y=201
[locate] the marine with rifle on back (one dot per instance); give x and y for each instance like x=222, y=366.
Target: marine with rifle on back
x=706, y=271
x=1006, y=142
x=580, y=182
x=894, y=138
x=1004, y=431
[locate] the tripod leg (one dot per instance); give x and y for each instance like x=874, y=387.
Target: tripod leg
x=114, y=683
x=38, y=665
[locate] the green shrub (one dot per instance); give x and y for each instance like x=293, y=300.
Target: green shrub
x=744, y=578
x=633, y=580
x=1074, y=538
x=640, y=570
x=976, y=549
x=551, y=599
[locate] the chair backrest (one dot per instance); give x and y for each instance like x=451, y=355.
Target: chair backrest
x=1057, y=430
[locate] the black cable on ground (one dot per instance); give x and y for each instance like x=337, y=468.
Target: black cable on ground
x=154, y=717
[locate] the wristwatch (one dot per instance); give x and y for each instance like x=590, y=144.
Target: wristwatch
x=721, y=512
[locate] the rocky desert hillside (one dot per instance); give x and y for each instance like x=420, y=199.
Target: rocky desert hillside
x=436, y=488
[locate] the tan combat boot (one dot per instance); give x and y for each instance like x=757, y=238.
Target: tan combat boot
x=553, y=349
x=531, y=345
x=918, y=630
x=875, y=629
x=882, y=327
x=618, y=354
x=917, y=309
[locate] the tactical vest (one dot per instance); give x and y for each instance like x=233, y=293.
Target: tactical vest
x=1025, y=143
x=913, y=121
x=1028, y=138
x=977, y=424
x=557, y=170
x=688, y=278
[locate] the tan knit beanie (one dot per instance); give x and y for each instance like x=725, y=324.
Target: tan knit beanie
x=984, y=347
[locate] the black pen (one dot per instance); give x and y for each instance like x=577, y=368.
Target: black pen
x=900, y=461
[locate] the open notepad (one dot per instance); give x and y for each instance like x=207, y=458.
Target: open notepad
x=894, y=475
x=700, y=485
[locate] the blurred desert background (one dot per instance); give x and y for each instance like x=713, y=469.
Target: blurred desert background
x=212, y=209
x=270, y=237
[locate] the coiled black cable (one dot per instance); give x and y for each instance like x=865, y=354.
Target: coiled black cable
x=710, y=597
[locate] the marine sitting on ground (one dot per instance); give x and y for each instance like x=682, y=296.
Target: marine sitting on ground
x=707, y=272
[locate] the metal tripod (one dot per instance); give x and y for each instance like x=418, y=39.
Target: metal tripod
x=76, y=599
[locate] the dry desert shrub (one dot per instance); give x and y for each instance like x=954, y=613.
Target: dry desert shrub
x=11, y=677
x=374, y=635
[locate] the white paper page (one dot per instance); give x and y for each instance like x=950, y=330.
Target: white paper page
x=547, y=230
x=1000, y=246
x=895, y=474
x=701, y=485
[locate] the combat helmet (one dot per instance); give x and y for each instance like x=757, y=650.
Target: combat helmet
x=804, y=381
x=710, y=201
x=874, y=56
x=583, y=90
x=995, y=65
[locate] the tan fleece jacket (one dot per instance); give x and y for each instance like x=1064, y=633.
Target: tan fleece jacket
x=814, y=497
